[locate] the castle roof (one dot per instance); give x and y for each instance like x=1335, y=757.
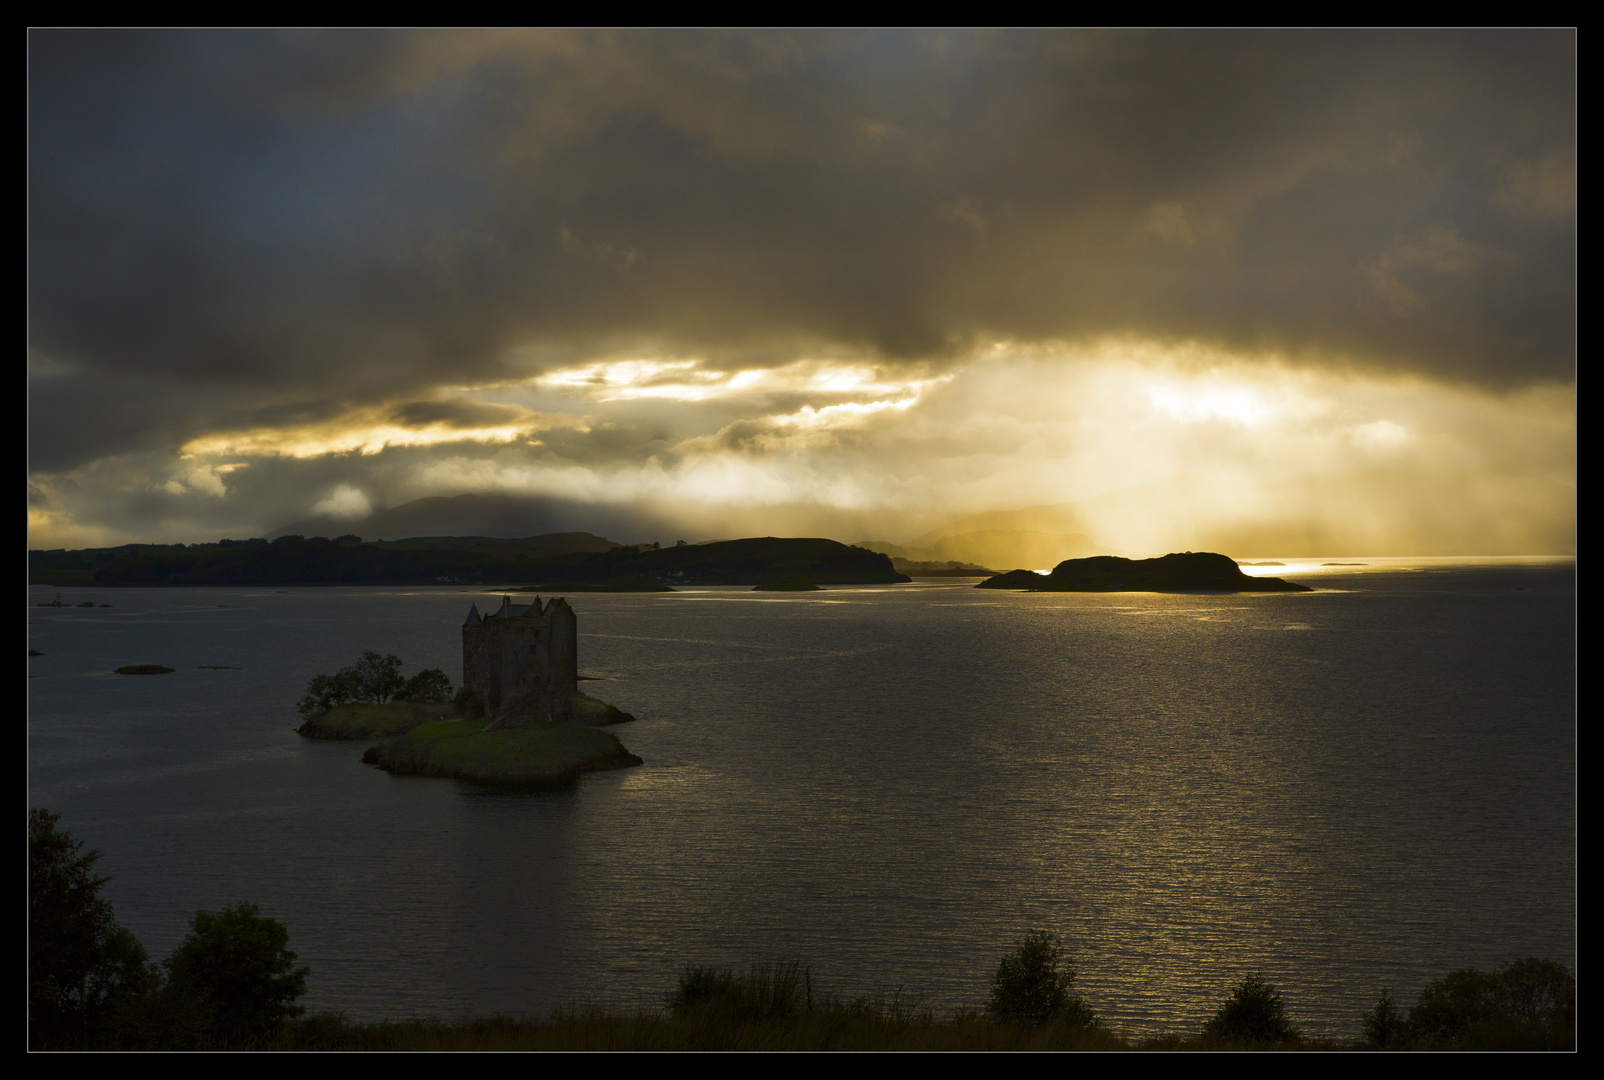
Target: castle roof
x=510, y=610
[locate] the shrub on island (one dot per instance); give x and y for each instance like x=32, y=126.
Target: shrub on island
x=370, y=700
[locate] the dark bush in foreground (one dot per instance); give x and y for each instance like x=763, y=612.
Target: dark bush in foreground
x=1253, y=1015
x=1385, y=1026
x=768, y=991
x=233, y=982
x=1528, y=1004
x=1030, y=989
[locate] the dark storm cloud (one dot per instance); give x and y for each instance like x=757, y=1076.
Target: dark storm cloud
x=244, y=223
x=458, y=413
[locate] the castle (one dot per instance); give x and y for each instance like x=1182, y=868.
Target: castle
x=523, y=662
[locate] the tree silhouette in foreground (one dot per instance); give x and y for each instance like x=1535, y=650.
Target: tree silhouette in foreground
x=84, y=970
x=1030, y=989
x=1253, y=1014
x=233, y=981
x=1527, y=1004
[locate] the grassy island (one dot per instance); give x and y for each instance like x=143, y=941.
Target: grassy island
x=537, y=754
x=364, y=720
x=144, y=669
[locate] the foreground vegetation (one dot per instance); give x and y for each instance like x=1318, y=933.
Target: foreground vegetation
x=91, y=985
x=233, y=983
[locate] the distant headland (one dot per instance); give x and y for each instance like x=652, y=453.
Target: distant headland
x=1188, y=571
x=562, y=562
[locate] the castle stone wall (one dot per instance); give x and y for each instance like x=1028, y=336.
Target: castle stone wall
x=523, y=662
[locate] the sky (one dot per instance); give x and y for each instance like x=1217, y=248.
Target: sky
x=1276, y=289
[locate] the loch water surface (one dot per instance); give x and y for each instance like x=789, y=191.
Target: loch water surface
x=1363, y=786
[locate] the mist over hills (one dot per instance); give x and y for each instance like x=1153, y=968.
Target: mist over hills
x=1375, y=512
x=492, y=514
x=533, y=547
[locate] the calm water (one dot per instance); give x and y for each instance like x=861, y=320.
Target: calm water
x=1367, y=785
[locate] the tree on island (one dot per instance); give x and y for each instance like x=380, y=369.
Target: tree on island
x=373, y=679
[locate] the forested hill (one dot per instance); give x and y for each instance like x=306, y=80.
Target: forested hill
x=294, y=560
x=289, y=560
x=753, y=561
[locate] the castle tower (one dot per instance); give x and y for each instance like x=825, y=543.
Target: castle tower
x=522, y=661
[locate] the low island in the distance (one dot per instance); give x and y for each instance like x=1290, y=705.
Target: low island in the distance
x=1187, y=571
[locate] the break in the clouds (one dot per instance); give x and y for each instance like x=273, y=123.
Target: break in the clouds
x=897, y=274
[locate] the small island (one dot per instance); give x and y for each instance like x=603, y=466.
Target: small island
x=535, y=754
x=1189, y=571
x=392, y=719
x=519, y=717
